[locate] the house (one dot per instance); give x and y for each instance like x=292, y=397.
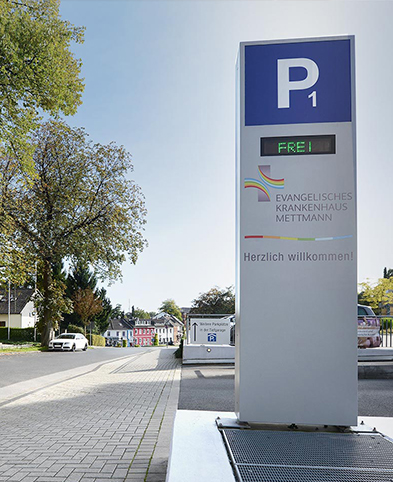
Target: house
x=168, y=328
x=144, y=332
x=119, y=330
x=21, y=308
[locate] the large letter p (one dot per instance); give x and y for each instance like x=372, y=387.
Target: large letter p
x=284, y=85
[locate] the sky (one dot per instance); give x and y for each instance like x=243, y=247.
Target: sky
x=160, y=80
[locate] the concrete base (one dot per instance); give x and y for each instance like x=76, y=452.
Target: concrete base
x=198, y=453
x=199, y=354
x=195, y=354
x=375, y=354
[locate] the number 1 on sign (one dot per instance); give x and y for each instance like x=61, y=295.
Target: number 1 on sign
x=313, y=96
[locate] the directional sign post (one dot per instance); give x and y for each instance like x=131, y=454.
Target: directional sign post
x=296, y=320
x=210, y=331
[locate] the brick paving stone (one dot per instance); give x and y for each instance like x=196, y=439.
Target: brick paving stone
x=117, y=424
x=73, y=477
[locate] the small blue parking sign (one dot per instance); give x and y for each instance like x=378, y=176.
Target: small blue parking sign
x=212, y=337
x=295, y=83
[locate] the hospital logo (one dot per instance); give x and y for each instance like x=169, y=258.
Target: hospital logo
x=264, y=184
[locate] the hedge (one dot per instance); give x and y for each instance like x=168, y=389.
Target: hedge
x=19, y=334
x=179, y=351
x=96, y=340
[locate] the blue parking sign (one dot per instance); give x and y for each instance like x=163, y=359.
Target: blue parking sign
x=296, y=83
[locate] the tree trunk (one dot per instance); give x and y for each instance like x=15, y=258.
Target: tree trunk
x=47, y=325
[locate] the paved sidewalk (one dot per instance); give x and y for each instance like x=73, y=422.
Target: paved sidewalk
x=113, y=424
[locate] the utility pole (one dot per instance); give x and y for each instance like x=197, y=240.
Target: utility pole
x=9, y=309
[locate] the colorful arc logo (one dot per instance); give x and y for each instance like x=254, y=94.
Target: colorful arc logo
x=264, y=183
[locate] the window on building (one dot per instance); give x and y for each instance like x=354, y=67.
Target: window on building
x=109, y=333
x=117, y=333
x=144, y=331
x=124, y=333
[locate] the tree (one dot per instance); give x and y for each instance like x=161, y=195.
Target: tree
x=79, y=278
x=141, y=314
x=86, y=305
x=215, y=301
x=117, y=312
x=78, y=206
x=387, y=273
x=38, y=70
x=169, y=306
x=101, y=320
x=377, y=295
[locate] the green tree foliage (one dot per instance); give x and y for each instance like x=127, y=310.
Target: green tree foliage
x=78, y=206
x=215, y=301
x=38, y=72
x=377, y=295
x=101, y=320
x=169, y=306
x=141, y=314
x=86, y=305
x=117, y=312
x=80, y=278
x=51, y=306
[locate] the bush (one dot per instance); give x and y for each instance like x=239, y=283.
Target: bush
x=179, y=351
x=96, y=340
x=155, y=343
x=124, y=342
x=19, y=334
x=75, y=329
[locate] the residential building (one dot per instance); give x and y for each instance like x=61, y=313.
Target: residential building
x=144, y=332
x=168, y=328
x=22, y=312
x=119, y=330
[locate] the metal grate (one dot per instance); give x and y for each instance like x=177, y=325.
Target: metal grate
x=294, y=474
x=261, y=455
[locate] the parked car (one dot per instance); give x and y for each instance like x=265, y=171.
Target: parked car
x=69, y=341
x=368, y=328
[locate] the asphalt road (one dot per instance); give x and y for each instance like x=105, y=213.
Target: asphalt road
x=20, y=367
x=202, y=387
x=213, y=388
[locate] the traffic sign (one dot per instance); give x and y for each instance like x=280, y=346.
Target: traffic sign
x=298, y=82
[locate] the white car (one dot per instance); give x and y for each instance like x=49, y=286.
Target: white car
x=69, y=341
